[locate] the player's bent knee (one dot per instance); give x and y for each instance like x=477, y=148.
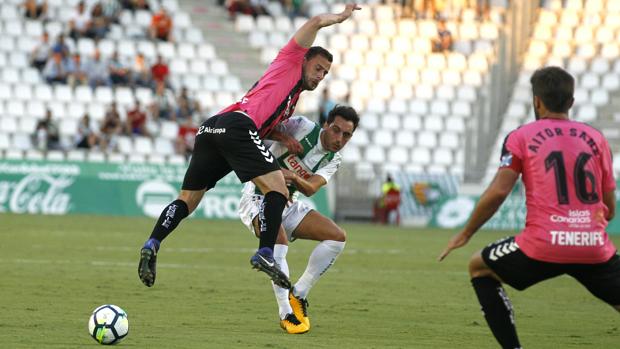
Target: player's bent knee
x=341, y=235
x=477, y=266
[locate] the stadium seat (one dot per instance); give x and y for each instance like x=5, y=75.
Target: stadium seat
x=461, y=108
x=449, y=140
x=586, y=113
x=369, y=121
x=589, y=81
x=398, y=155
x=15, y=108
x=397, y=105
x=68, y=127
x=351, y=153
x=374, y=155
x=5, y=140
x=443, y=156
x=599, y=97
x=405, y=138
x=440, y=107
x=382, y=138
x=117, y=158
x=455, y=124
x=21, y=141
x=412, y=122
x=23, y=92
x=76, y=155
x=176, y=159
x=136, y=158
x=427, y=139
x=421, y=156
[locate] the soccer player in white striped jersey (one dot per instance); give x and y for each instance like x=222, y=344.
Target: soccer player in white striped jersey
x=305, y=172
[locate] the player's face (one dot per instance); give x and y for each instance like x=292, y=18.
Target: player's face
x=337, y=134
x=314, y=71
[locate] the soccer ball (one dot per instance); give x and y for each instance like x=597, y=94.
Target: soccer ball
x=108, y=324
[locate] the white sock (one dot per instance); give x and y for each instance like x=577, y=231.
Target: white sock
x=279, y=254
x=323, y=256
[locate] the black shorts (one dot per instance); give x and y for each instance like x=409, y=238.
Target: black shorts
x=224, y=143
x=518, y=270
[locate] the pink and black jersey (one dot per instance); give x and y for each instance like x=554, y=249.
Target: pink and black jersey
x=275, y=95
x=566, y=167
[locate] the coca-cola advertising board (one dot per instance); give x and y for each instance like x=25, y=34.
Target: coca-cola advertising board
x=58, y=188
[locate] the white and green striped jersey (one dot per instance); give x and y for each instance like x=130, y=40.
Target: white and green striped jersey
x=314, y=160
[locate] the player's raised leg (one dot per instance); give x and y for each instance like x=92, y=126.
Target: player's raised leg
x=315, y=226
x=207, y=166
x=494, y=301
x=269, y=221
x=169, y=219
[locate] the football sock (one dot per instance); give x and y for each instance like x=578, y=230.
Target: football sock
x=321, y=258
x=497, y=311
x=279, y=255
x=170, y=217
x=270, y=218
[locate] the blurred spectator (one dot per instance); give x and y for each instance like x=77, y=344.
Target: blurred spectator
x=77, y=71
x=55, y=70
x=163, y=103
x=160, y=71
x=443, y=42
x=186, y=106
x=34, y=9
x=134, y=5
x=259, y=7
x=483, y=9
x=99, y=24
x=293, y=8
x=141, y=75
x=388, y=203
x=119, y=72
x=238, y=6
x=111, y=10
x=184, y=144
x=111, y=128
x=427, y=10
x=326, y=104
x=61, y=47
x=46, y=134
x=41, y=52
x=98, y=72
x=79, y=23
x=136, y=121
x=161, y=26
x=86, y=138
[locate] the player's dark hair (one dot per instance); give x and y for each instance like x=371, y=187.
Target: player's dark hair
x=318, y=50
x=555, y=87
x=344, y=112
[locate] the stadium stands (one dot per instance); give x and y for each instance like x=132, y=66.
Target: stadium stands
x=580, y=38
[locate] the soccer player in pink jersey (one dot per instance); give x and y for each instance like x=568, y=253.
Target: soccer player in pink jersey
x=232, y=141
x=566, y=168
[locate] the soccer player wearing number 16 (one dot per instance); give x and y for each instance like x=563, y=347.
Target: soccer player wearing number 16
x=566, y=169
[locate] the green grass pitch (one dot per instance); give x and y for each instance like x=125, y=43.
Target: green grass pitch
x=385, y=291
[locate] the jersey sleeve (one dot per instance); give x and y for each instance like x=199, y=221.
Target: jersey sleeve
x=512, y=156
x=291, y=52
x=609, y=182
x=290, y=126
x=328, y=170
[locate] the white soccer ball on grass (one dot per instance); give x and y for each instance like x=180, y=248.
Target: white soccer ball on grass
x=108, y=324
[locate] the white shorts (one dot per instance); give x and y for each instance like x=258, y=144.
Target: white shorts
x=293, y=213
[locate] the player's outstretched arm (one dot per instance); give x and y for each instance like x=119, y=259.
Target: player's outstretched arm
x=307, y=33
x=486, y=207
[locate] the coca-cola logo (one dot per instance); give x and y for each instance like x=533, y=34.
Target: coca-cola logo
x=36, y=193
